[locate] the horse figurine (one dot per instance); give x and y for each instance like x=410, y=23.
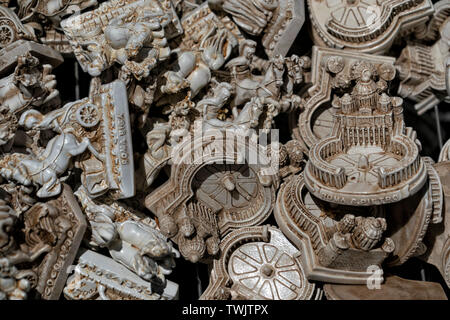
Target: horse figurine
x=44, y=169
x=56, y=158
x=193, y=68
x=191, y=73
x=29, y=86
x=266, y=87
x=248, y=118
x=295, y=75
x=295, y=66
x=135, y=243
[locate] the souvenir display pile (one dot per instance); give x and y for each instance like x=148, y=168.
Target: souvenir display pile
x=262, y=147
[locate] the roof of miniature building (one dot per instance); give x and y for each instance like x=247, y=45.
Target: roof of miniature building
x=365, y=86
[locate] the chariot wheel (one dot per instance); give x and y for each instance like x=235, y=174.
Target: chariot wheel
x=267, y=271
x=7, y=33
x=88, y=115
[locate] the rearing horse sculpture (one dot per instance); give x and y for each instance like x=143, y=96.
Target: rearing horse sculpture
x=55, y=161
x=266, y=87
x=44, y=169
x=247, y=119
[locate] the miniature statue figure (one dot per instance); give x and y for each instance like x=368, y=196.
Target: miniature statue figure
x=292, y=158
x=247, y=118
x=159, y=151
x=31, y=85
x=192, y=73
x=266, y=87
x=137, y=245
x=126, y=40
x=209, y=107
x=133, y=35
x=44, y=169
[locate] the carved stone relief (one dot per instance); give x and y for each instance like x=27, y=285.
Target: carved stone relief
x=279, y=21
x=100, y=125
x=27, y=83
x=10, y=53
x=43, y=17
x=12, y=29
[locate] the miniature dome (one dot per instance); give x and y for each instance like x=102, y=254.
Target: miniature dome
x=384, y=102
x=346, y=99
x=347, y=103
x=365, y=86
